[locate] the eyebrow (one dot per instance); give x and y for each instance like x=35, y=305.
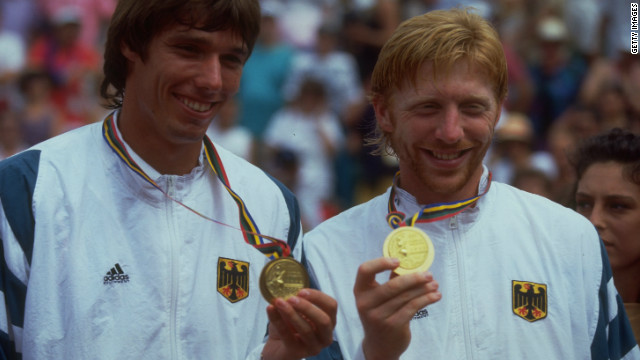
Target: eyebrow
x=609, y=197
x=194, y=37
x=620, y=197
x=467, y=99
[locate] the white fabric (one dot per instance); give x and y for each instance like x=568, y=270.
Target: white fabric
x=92, y=212
x=509, y=235
x=237, y=139
x=12, y=52
x=337, y=71
x=299, y=132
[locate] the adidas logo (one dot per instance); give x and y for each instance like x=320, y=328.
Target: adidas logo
x=421, y=314
x=115, y=275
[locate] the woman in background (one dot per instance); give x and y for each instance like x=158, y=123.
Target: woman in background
x=608, y=194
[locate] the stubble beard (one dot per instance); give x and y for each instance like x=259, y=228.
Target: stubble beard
x=442, y=182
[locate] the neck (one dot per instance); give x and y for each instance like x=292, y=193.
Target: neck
x=427, y=193
x=166, y=157
x=627, y=284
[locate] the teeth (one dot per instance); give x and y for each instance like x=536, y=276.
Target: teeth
x=445, y=156
x=196, y=106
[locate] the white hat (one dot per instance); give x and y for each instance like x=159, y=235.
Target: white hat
x=552, y=29
x=67, y=15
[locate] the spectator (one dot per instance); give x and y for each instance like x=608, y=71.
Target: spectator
x=21, y=17
x=605, y=73
x=366, y=27
x=309, y=129
x=10, y=135
x=335, y=69
x=612, y=108
x=513, y=149
x=226, y=131
x=534, y=181
x=12, y=61
x=608, y=194
x=95, y=15
x=574, y=125
x=72, y=64
x=39, y=117
x=139, y=238
x=476, y=264
x=557, y=75
x=264, y=75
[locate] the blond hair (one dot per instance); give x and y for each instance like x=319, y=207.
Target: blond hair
x=441, y=37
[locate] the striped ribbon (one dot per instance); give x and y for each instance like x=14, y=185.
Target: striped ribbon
x=273, y=248
x=429, y=213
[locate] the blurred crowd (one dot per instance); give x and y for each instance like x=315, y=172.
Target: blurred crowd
x=302, y=112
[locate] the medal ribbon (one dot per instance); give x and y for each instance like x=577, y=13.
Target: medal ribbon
x=273, y=249
x=429, y=213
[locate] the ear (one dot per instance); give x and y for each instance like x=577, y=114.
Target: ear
x=498, y=114
x=383, y=116
x=128, y=53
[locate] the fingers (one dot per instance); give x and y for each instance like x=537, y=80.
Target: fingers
x=404, y=300
x=308, y=318
x=386, y=311
x=366, y=277
x=395, y=290
x=322, y=301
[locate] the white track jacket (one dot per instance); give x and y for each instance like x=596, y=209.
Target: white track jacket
x=99, y=264
x=521, y=277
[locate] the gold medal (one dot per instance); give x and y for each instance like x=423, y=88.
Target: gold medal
x=282, y=278
x=412, y=247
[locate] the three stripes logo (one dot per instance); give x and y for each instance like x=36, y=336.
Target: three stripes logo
x=115, y=275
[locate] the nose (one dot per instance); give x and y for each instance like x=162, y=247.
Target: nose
x=210, y=75
x=449, y=129
x=597, y=217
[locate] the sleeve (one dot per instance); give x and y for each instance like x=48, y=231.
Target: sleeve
x=614, y=337
x=349, y=80
x=333, y=351
x=332, y=128
x=295, y=223
x=17, y=183
x=256, y=354
x=273, y=132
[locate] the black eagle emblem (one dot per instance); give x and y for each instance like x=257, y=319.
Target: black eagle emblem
x=233, y=279
x=529, y=300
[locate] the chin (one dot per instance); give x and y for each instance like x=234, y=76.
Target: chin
x=444, y=185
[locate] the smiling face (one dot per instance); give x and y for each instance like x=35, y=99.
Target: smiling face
x=173, y=94
x=440, y=129
x=612, y=204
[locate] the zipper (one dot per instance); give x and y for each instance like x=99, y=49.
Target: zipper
x=173, y=266
x=453, y=226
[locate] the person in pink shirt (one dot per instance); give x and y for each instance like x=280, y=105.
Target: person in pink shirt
x=95, y=15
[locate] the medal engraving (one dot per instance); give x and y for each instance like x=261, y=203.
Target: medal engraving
x=282, y=278
x=412, y=247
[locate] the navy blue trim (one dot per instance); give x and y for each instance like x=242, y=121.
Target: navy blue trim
x=15, y=294
x=333, y=351
x=18, y=176
x=620, y=337
x=294, y=212
x=7, y=348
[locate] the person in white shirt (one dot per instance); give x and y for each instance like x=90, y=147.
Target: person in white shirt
x=138, y=237
x=312, y=131
x=508, y=274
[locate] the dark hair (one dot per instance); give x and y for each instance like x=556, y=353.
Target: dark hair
x=313, y=87
x=617, y=145
x=136, y=22
x=28, y=76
